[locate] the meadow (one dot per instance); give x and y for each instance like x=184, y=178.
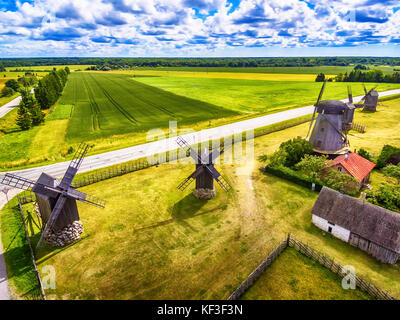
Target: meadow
x=293, y=276
x=256, y=96
x=113, y=110
x=155, y=242
x=328, y=70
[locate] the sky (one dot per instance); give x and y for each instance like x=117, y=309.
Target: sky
x=199, y=28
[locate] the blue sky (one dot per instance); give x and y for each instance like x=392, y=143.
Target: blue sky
x=211, y=28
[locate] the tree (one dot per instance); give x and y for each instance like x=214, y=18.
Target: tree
x=278, y=158
x=13, y=84
x=387, y=152
x=2, y=68
x=296, y=149
x=313, y=166
x=7, y=92
x=67, y=70
x=24, y=120
x=320, y=77
x=340, y=181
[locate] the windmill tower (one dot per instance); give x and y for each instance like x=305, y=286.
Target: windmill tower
x=56, y=199
x=370, y=100
x=329, y=135
x=205, y=172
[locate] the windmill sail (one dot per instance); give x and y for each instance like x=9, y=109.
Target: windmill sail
x=315, y=107
x=15, y=181
x=74, y=166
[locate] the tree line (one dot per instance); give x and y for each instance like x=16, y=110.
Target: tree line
x=204, y=62
x=12, y=86
x=47, y=92
x=357, y=75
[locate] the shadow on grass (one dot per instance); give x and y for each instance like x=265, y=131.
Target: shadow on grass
x=186, y=208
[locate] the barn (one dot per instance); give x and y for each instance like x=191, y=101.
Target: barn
x=371, y=228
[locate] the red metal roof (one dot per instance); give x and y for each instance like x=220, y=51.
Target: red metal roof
x=356, y=165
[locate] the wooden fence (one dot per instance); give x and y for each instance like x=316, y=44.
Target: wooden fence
x=317, y=256
x=248, y=282
x=358, y=127
x=337, y=268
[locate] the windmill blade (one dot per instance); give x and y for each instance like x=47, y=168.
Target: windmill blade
x=320, y=94
x=311, y=122
x=367, y=93
x=74, y=166
x=53, y=217
x=365, y=89
x=185, y=183
x=316, y=106
x=184, y=145
x=350, y=94
x=217, y=176
x=15, y=181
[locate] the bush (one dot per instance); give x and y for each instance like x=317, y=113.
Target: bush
x=341, y=182
x=293, y=176
x=386, y=196
x=320, y=78
x=365, y=154
x=387, y=152
x=392, y=171
x=13, y=84
x=296, y=149
x=7, y=92
x=312, y=166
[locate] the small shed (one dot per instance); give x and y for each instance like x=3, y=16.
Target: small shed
x=371, y=228
x=354, y=165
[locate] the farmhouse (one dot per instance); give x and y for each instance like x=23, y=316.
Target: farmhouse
x=354, y=165
x=371, y=228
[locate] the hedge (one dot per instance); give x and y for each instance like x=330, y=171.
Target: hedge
x=293, y=176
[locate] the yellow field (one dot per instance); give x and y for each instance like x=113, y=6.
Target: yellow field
x=219, y=75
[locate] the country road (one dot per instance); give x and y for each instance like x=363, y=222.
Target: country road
x=10, y=105
x=143, y=150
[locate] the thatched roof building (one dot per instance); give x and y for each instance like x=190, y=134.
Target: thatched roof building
x=362, y=224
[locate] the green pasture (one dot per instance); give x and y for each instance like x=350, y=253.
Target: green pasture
x=155, y=242
x=294, y=276
x=256, y=96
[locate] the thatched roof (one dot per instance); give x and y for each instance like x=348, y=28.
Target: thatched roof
x=369, y=221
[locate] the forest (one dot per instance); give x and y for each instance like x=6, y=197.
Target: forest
x=203, y=62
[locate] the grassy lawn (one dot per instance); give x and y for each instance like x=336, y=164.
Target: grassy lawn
x=293, y=276
x=255, y=96
x=155, y=242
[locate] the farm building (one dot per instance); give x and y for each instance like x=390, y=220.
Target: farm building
x=371, y=228
x=354, y=165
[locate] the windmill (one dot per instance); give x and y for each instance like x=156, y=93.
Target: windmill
x=205, y=172
x=370, y=101
x=329, y=135
x=56, y=199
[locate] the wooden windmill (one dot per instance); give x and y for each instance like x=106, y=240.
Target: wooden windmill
x=370, y=101
x=56, y=199
x=329, y=135
x=205, y=172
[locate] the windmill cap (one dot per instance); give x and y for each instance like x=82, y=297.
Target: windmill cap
x=332, y=106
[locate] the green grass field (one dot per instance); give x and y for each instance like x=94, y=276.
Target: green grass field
x=112, y=110
x=109, y=104
x=330, y=70
x=293, y=276
x=155, y=242
x=255, y=96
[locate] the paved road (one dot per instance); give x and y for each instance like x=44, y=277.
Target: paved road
x=148, y=149
x=9, y=106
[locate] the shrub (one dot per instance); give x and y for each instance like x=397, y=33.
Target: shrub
x=341, y=182
x=13, y=84
x=392, y=171
x=386, y=196
x=296, y=149
x=7, y=92
x=320, y=77
x=365, y=154
x=386, y=153
x=312, y=166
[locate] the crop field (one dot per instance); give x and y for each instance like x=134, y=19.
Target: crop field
x=167, y=244
x=256, y=96
x=50, y=68
x=328, y=70
x=113, y=110
x=106, y=105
